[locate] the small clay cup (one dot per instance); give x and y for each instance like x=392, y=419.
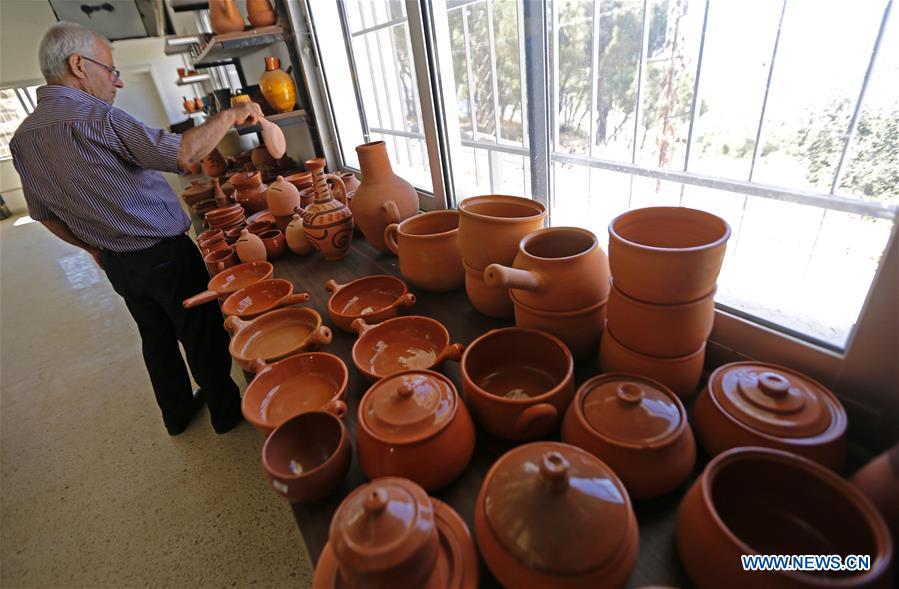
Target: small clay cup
x=275, y=244
x=261, y=297
x=231, y=280
x=209, y=234
x=371, y=298
x=233, y=234
x=275, y=335
x=491, y=227
x=260, y=227
x=581, y=330
x=428, y=248
x=220, y=260
x=208, y=246
x=492, y=301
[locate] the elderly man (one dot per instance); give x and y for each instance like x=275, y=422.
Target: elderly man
x=90, y=173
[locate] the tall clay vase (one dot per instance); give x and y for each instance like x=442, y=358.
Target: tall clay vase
x=327, y=222
x=250, y=247
x=260, y=13
x=225, y=17
x=277, y=86
x=383, y=197
x=214, y=164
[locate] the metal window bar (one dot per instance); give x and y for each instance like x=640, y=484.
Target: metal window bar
x=554, y=74
x=641, y=73
x=388, y=106
x=419, y=119
x=758, y=132
x=594, y=62
x=536, y=52
x=401, y=95
x=497, y=125
x=351, y=59
x=384, y=25
x=472, y=100
x=695, y=101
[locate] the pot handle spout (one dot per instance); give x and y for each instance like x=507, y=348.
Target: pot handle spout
x=499, y=275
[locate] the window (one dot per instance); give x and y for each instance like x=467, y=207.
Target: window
x=15, y=105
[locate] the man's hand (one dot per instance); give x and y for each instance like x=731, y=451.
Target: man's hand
x=196, y=143
x=246, y=112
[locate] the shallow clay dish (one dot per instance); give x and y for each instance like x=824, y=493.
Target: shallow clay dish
x=231, y=280
x=402, y=343
x=275, y=335
x=371, y=298
x=261, y=297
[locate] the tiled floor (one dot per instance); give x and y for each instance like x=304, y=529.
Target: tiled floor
x=93, y=492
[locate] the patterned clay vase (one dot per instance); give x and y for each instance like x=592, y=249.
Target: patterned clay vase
x=260, y=13
x=277, y=86
x=250, y=247
x=296, y=237
x=225, y=17
x=214, y=164
x=328, y=222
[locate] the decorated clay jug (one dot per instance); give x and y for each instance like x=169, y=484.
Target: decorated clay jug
x=250, y=191
x=328, y=222
x=296, y=237
x=383, y=197
x=277, y=86
x=283, y=198
x=225, y=17
x=250, y=247
x=260, y=13
x=214, y=164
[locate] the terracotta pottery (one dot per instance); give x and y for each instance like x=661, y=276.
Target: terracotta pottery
x=212, y=243
x=402, y=343
x=491, y=227
x=274, y=140
x=275, y=335
x=198, y=102
x=350, y=181
x=517, y=382
x=411, y=415
x=281, y=223
x=581, y=330
x=760, y=404
x=371, y=298
x=680, y=374
x=428, y=248
x=214, y=164
x=274, y=242
x=383, y=197
x=225, y=18
x=265, y=215
x=282, y=197
x=250, y=247
x=327, y=222
x=389, y=533
x=189, y=105
x=879, y=481
x=638, y=427
x=277, y=86
x=210, y=234
x=667, y=255
x=261, y=297
x=296, y=237
x=221, y=199
x=300, y=180
x=197, y=191
x=220, y=260
x=307, y=457
x=311, y=381
x=250, y=191
x=260, y=13
x=556, y=269
x=232, y=235
x=222, y=217
x=492, y=301
x=231, y=280
x=573, y=511
x=204, y=206
x=752, y=501
x=260, y=227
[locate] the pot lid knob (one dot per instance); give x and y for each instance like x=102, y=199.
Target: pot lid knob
x=554, y=470
x=376, y=502
x=773, y=384
x=629, y=393
x=405, y=391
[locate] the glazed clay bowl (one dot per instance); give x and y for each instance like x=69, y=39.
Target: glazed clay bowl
x=372, y=298
x=402, y=343
x=275, y=243
x=666, y=331
x=680, y=374
x=308, y=456
x=275, y=335
x=492, y=301
x=231, y=280
x=581, y=330
x=638, y=427
x=761, y=501
x=490, y=227
x=667, y=255
x=517, y=382
x=428, y=249
x=261, y=297
x=311, y=381
x=220, y=260
x=556, y=269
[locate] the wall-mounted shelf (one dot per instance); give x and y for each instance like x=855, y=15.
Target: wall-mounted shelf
x=189, y=5
x=225, y=48
x=196, y=78
x=281, y=119
x=181, y=44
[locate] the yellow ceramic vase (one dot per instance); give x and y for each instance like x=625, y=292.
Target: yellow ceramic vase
x=277, y=86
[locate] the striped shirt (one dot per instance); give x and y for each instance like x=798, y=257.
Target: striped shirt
x=94, y=167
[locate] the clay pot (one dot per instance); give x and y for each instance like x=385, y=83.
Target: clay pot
x=198, y=102
x=638, y=427
x=680, y=374
x=212, y=244
x=231, y=280
x=214, y=164
x=383, y=197
x=327, y=222
x=517, y=382
x=581, y=330
x=277, y=86
x=879, y=482
x=350, y=181
x=760, y=404
x=556, y=269
x=307, y=457
x=197, y=191
x=491, y=227
x=219, y=260
x=250, y=191
x=274, y=242
x=573, y=511
x=300, y=180
x=666, y=331
x=250, y=247
x=261, y=297
x=282, y=197
x=281, y=223
x=402, y=343
x=311, y=381
x=760, y=501
x=491, y=301
x=428, y=248
x=225, y=18
x=667, y=255
x=260, y=13
x=260, y=227
x=371, y=298
x=189, y=105
x=275, y=335
x=232, y=235
x=307, y=197
x=210, y=234
x=296, y=237
x=411, y=415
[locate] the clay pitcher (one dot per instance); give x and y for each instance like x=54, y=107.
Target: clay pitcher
x=327, y=222
x=296, y=237
x=260, y=13
x=277, y=86
x=214, y=164
x=383, y=197
x=250, y=191
x=225, y=17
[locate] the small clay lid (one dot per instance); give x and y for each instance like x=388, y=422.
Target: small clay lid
x=383, y=524
x=632, y=410
x=774, y=400
x=557, y=508
x=409, y=406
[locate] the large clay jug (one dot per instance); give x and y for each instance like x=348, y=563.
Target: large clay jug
x=260, y=13
x=296, y=237
x=383, y=197
x=283, y=198
x=277, y=86
x=225, y=17
x=250, y=247
x=250, y=191
x=328, y=222
x=214, y=164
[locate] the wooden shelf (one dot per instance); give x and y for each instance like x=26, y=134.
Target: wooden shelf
x=187, y=80
x=281, y=119
x=225, y=48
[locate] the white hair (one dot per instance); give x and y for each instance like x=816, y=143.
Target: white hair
x=60, y=42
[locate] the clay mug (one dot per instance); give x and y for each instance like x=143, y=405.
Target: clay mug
x=208, y=246
x=491, y=227
x=428, y=248
x=210, y=234
x=219, y=260
x=275, y=244
x=260, y=227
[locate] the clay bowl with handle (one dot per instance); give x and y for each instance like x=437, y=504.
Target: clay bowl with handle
x=517, y=382
x=428, y=249
x=260, y=227
x=230, y=281
x=402, y=343
x=220, y=260
x=371, y=298
x=309, y=381
x=308, y=456
x=275, y=335
x=261, y=297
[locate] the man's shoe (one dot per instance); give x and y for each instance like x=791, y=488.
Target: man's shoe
x=179, y=428
x=223, y=426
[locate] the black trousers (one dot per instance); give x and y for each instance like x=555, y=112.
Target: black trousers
x=154, y=282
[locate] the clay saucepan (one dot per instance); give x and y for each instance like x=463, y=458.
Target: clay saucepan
x=231, y=280
x=261, y=297
x=372, y=298
x=275, y=335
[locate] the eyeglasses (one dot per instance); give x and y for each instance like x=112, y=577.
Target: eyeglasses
x=114, y=71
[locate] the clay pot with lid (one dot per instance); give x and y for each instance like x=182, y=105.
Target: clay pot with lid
x=428, y=248
x=250, y=191
x=581, y=329
x=517, y=382
x=402, y=343
x=491, y=227
x=408, y=416
x=760, y=501
x=570, y=506
x=667, y=255
x=638, y=427
x=760, y=404
x=282, y=197
x=261, y=297
x=231, y=280
x=275, y=335
x=370, y=298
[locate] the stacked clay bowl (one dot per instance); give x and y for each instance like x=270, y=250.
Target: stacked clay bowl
x=226, y=218
x=558, y=282
x=664, y=263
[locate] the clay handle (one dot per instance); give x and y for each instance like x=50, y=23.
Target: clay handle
x=360, y=326
x=390, y=238
x=204, y=297
x=258, y=366
x=534, y=416
x=499, y=275
x=321, y=336
x=337, y=407
x=295, y=299
x=234, y=325
x=332, y=286
x=392, y=212
x=407, y=300
x=342, y=196
x=451, y=352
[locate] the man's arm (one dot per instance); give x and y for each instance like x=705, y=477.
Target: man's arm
x=196, y=143
x=62, y=231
